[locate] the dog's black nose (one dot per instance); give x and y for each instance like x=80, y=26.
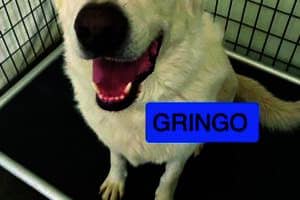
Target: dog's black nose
x=101, y=29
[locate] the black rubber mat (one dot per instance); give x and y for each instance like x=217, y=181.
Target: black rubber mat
x=12, y=188
x=42, y=130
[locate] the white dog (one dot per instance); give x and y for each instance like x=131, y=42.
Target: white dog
x=121, y=54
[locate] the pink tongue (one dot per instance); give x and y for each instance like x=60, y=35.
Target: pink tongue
x=112, y=77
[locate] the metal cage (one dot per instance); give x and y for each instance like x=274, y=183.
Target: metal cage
x=28, y=32
x=262, y=33
x=267, y=32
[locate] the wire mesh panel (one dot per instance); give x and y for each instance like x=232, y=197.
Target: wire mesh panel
x=267, y=31
x=28, y=31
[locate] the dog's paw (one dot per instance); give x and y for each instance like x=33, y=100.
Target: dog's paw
x=112, y=190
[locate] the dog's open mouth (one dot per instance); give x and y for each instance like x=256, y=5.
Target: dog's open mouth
x=117, y=82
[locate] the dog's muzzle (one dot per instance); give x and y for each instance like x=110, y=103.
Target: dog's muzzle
x=102, y=31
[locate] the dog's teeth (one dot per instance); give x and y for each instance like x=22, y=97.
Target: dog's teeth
x=118, y=60
x=96, y=88
x=108, y=58
x=112, y=99
x=114, y=59
x=128, y=88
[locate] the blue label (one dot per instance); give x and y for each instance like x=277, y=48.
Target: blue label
x=202, y=122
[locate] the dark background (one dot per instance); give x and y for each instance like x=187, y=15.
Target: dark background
x=42, y=130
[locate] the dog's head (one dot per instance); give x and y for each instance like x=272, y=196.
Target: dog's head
x=138, y=49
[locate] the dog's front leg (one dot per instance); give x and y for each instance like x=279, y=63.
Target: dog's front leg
x=113, y=186
x=169, y=180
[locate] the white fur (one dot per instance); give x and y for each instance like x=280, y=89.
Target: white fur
x=192, y=66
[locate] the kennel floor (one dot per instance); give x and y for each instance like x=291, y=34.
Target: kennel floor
x=42, y=130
